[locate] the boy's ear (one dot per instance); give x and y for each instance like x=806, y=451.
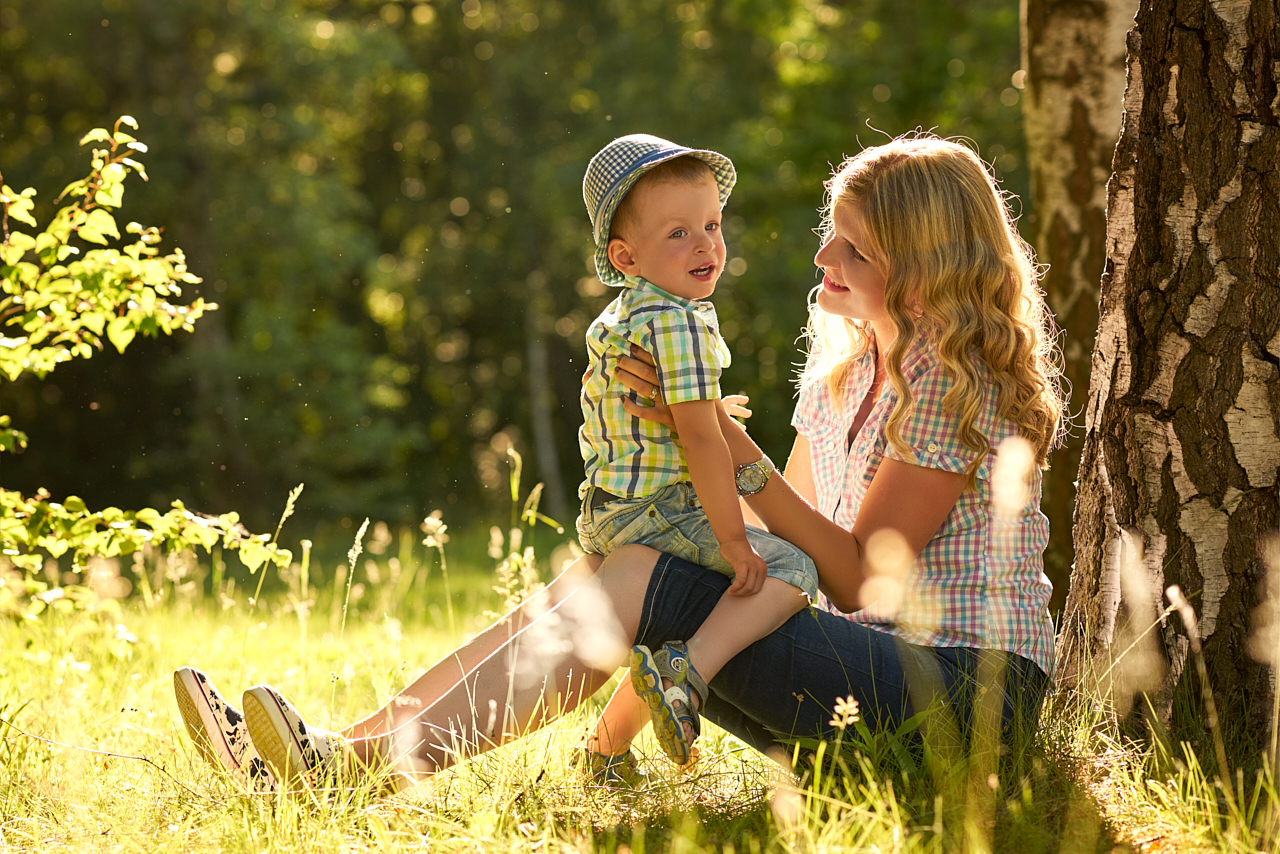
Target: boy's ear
x=622, y=256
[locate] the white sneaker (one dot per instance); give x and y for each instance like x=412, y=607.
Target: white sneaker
x=293, y=752
x=218, y=729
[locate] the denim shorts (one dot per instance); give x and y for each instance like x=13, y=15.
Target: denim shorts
x=785, y=685
x=672, y=521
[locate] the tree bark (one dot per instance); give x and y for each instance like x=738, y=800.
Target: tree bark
x=1074, y=59
x=1183, y=411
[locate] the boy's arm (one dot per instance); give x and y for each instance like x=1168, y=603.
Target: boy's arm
x=711, y=468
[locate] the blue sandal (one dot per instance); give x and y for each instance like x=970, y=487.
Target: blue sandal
x=673, y=707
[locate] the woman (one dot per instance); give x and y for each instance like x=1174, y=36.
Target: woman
x=929, y=346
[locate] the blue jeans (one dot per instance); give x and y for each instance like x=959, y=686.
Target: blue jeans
x=786, y=684
x=672, y=521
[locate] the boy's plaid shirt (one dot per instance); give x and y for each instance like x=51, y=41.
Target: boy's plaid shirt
x=979, y=582
x=629, y=456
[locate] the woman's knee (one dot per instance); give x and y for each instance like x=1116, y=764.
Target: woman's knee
x=624, y=577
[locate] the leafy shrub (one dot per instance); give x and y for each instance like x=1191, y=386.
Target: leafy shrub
x=58, y=300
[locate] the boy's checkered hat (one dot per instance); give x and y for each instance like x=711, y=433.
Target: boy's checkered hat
x=615, y=170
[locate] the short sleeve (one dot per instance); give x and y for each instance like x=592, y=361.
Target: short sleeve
x=812, y=415
x=690, y=354
x=934, y=434
x=815, y=409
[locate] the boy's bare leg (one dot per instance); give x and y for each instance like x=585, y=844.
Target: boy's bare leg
x=621, y=721
x=446, y=673
x=739, y=621
x=520, y=686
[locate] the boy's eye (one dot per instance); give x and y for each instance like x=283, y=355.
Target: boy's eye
x=712, y=226
x=679, y=232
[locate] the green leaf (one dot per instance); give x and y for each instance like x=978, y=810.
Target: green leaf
x=95, y=321
x=91, y=234
x=120, y=332
x=11, y=440
x=18, y=204
x=110, y=195
x=253, y=554
x=101, y=222
x=22, y=241
x=31, y=563
x=137, y=167
x=75, y=188
x=45, y=240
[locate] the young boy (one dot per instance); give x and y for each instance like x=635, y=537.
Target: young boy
x=655, y=210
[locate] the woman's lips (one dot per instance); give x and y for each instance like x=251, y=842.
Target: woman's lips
x=832, y=286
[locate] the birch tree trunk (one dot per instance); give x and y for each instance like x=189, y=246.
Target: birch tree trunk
x=1183, y=410
x=1073, y=53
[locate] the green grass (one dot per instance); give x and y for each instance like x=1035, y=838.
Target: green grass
x=104, y=682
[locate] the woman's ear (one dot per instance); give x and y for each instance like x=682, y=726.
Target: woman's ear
x=622, y=256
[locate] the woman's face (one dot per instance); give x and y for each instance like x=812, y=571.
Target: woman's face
x=852, y=286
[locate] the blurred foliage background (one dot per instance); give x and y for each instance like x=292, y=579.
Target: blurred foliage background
x=385, y=200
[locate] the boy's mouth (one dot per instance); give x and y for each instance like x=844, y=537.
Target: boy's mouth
x=703, y=272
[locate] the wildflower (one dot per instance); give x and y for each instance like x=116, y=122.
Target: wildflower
x=435, y=529
x=846, y=713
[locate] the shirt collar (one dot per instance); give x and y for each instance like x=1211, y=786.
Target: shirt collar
x=641, y=284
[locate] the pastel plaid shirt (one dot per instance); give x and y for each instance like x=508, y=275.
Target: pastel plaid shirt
x=629, y=456
x=980, y=581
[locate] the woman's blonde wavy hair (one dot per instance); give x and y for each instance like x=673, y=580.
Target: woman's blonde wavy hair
x=941, y=234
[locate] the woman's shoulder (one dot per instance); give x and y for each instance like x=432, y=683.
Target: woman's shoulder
x=924, y=367
x=933, y=381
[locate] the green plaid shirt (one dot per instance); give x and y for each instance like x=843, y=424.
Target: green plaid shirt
x=630, y=456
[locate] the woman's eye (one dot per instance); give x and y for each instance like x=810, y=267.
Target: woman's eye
x=857, y=256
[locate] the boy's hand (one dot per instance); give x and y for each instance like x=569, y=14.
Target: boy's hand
x=749, y=569
x=736, y=405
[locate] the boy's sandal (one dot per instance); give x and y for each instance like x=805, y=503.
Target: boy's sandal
x=622, y=770
x=673, y=707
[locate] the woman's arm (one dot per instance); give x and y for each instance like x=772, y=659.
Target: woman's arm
x=800, y=470
x=909, y=499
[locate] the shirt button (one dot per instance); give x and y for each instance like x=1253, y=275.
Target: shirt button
x=932, y=447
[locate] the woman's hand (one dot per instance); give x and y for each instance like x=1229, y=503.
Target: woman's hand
x=637, y=372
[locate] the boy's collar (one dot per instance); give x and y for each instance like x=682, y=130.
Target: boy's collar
x=640, y=283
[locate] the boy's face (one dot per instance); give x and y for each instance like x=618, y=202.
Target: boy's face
x=675, y=241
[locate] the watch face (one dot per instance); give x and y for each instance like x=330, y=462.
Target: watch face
x=751, y=480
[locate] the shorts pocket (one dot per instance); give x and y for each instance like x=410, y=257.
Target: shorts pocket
x=652, y=528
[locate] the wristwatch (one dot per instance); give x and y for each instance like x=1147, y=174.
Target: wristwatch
x=752, y=477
